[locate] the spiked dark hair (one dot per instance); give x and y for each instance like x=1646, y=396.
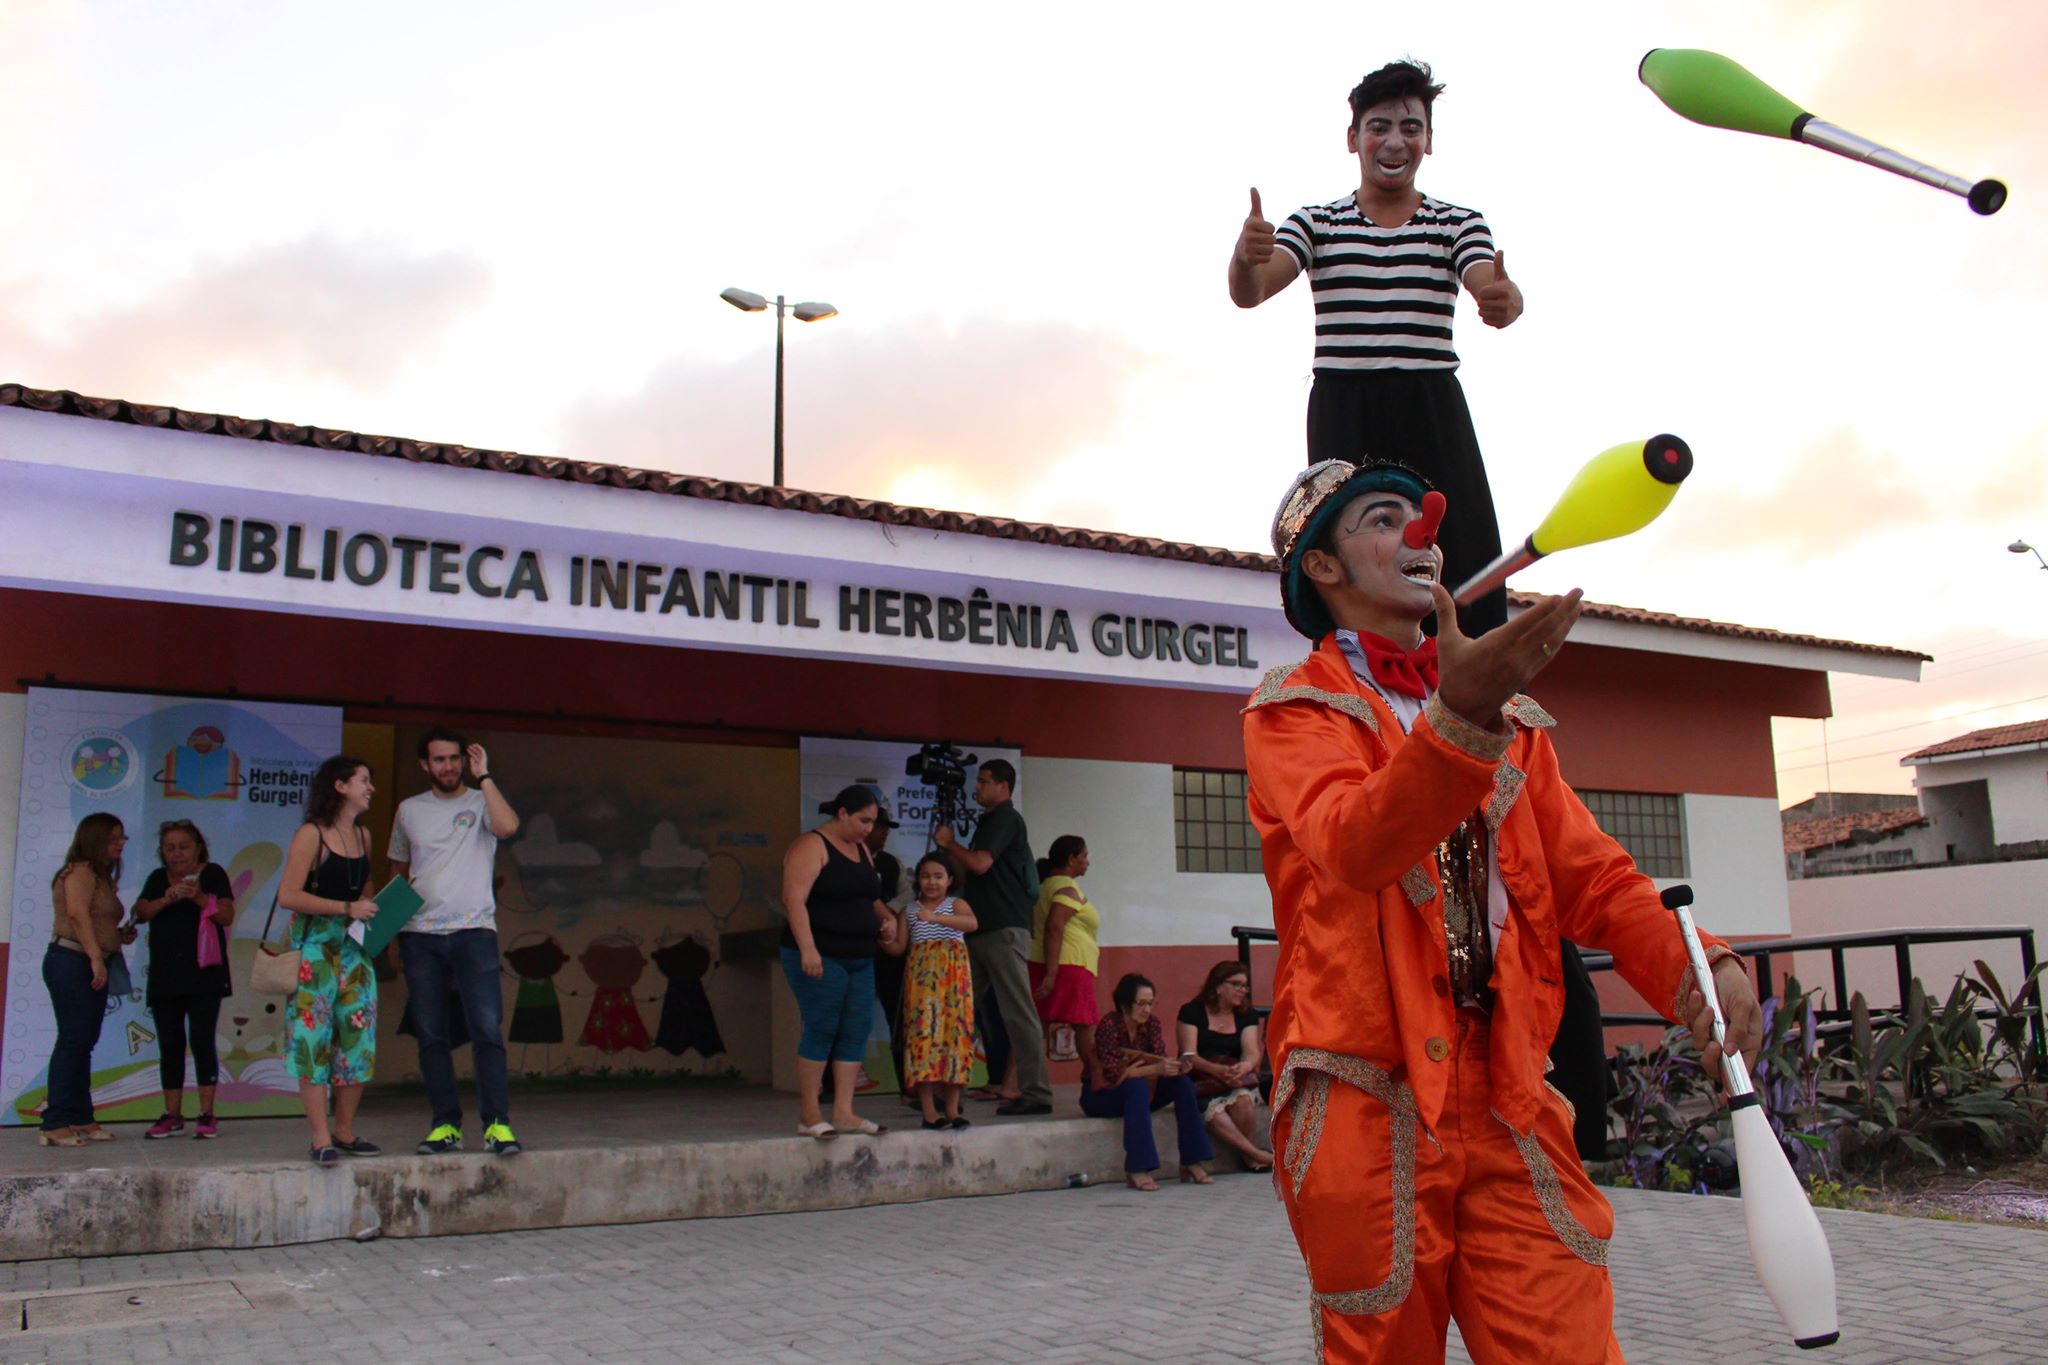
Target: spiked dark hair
x=1400, y=80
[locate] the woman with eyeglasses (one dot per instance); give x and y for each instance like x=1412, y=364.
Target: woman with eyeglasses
x=1219, y=1028
x=85, y=934
x=188, y=904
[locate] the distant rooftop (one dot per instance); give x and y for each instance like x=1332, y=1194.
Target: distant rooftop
x=1997, y=737
x=1804, y=836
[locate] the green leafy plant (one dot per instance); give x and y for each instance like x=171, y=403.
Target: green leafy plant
x=1831, y=1194
x=1672, y=1115
x=1654, y=1088
x=1934, y=1083
x=1789, y=1070
x=2012, y=1044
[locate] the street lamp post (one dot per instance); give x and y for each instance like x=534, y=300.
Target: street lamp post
x=2020, y=547
x=748, y=302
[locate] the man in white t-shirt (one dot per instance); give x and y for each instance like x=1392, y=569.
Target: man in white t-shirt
x=446, y=840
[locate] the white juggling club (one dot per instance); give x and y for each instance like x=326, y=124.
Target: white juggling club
x=1785, y=1241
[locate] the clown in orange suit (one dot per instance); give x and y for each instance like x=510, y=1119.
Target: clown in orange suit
x=1425, y=857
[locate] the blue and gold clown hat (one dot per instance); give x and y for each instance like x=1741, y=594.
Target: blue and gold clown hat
x=1315, y=496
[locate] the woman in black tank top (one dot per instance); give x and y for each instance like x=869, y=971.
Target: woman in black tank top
x=331, y=1019
x=832, y=897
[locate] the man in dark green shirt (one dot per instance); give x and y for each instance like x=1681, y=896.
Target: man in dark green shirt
x=1000, y=880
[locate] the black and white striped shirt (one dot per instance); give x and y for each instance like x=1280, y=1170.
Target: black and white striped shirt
x=1385, y=296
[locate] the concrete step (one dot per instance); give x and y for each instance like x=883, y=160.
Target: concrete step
x=590, y=1159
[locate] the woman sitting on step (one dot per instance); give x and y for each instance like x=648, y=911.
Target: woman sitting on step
x=1130, y=1074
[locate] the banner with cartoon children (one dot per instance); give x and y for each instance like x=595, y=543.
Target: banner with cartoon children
x=239, y=772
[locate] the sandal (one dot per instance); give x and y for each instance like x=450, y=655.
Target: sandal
x=985, y=1093
x=1140, y=1181
x=60, y=1137
x=821, y=1130
x=866, y=1128
x=1195, y=1175
x=1256, y=1164
x=92, y=1132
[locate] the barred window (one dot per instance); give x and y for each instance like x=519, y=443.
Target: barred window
x=1211, y=830
x=1650, y=825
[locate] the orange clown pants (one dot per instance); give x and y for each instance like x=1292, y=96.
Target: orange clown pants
x=1404, y=1229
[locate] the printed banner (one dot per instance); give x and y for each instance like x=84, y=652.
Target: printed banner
x=901, y=774
x=240, y=772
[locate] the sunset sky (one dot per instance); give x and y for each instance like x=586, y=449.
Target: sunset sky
x=508, y=226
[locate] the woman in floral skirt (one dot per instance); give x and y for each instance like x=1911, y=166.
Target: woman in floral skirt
x=331, y=1033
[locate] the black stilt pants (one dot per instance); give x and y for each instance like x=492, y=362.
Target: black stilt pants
x=1419, y=418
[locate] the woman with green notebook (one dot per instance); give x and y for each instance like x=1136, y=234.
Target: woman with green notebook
x=331, y=1021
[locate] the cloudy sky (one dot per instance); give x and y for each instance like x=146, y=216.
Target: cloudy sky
x=410, y=220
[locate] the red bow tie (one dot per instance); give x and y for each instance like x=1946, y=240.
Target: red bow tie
x=1411, y=672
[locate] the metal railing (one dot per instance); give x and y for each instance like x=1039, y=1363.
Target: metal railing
x=1837, y=946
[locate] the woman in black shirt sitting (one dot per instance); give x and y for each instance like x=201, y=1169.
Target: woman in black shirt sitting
x=1219, y=1028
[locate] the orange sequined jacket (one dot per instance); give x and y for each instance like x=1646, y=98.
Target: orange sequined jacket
x=1349, y=812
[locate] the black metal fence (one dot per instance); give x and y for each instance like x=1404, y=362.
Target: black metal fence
x=1901, y=942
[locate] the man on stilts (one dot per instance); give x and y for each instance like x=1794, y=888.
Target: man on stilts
x=1385, y=264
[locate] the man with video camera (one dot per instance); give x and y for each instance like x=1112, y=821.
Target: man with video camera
x=1002, y=882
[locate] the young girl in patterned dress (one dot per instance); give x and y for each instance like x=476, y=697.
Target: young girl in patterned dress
x=938, y=994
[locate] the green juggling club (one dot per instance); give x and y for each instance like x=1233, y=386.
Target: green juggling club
x=1709, y=88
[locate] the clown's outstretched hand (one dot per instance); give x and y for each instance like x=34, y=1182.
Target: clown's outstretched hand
x=1477, y=677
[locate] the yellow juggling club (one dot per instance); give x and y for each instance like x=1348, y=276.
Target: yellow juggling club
x=1622, y=489
x=1710, y=89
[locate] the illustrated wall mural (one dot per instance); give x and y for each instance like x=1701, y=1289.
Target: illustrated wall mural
x=239, y=771
x=634, y=858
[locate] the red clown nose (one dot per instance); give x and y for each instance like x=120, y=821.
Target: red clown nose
x=1420, y=533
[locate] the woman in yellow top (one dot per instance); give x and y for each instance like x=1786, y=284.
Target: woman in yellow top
x=1065, y=942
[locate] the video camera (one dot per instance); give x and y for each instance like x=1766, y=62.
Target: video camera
x=943, y=768
x=940, y=766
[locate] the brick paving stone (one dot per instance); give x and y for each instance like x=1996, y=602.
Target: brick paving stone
x=1063, y=1277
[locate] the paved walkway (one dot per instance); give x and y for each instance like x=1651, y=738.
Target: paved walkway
x=1073, y=1276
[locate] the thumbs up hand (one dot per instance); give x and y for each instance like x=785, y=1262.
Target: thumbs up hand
x=1500, y=300
x=1255, y=239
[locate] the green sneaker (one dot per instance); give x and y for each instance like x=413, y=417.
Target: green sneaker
x=445, y=1137
x=498, y=1139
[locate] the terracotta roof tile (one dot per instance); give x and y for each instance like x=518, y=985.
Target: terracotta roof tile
x=1804, y=836
x=1997, y=737
x=792, y=499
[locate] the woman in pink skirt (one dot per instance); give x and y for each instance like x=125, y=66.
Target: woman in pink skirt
x=1065, y=944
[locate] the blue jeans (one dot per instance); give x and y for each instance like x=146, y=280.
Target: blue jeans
x=1134, y=1100
x=838, y=1008
x=467, y=960
x=80, y=1011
